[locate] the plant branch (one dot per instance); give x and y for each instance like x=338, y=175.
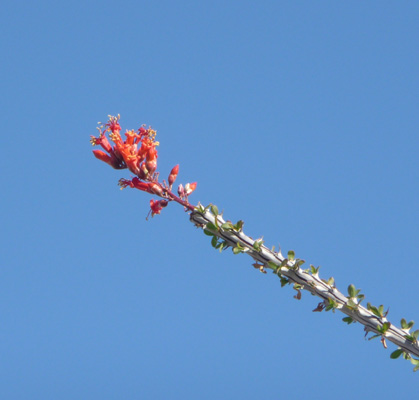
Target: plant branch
x=289, y=270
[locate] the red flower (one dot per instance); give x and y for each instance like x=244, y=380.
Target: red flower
x=151, y=160
x=135, y=183
x=111, y=159
x=103, y=141
x=113, y=124
x=137, y=152
x=157, y=206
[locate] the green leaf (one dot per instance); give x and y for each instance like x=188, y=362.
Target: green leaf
x=291, y=255
x=257, y=244
x=314, y=270
x=214, y=209
x=330, y=281
x=284, y=281
x=396, y=353
x=207, y=232
x=374, y=310
x=348, y=320
x=406, y=325
x=332, y=305
x=214, y=241
x=227, y=226
x=385, y=327
x=351, y=304
x=273, y=265
x=239, y=226
x=351, y=291
x=211, y=226
x=236, y=250
x=415, y=362
x=298, y=263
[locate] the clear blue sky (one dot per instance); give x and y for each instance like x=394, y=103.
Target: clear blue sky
x=298, y=117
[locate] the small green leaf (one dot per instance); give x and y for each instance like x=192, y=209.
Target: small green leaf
x=385, y=327
x=298, y=263
x=257, y=244
x=406, y=325
x=352, y=304
x=239, y=225
x=396, y=353
x=236, y=250
x=227, y=226
x=331, y=305
x=330, y=281
x=348, y=320
x=314, y=270
x=214, y=209
x=284, y=281
x=273, y=265
x=374, y=310
x=207, y=232
x=415, y=362
x=214, y=241
x=351, y=291
x=291, y=255
x=211, y=226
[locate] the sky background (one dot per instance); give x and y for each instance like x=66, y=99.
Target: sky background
x=298, y=117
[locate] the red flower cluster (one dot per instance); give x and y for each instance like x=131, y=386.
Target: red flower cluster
x=138, y=153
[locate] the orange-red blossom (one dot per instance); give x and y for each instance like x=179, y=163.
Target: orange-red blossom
x=138, y=153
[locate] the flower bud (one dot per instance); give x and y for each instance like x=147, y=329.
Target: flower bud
x=189, y=188
x=173, y=175
x=181, y=191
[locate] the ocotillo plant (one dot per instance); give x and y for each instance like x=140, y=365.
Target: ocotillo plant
x=138, y=153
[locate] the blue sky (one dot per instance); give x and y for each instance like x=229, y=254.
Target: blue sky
x=298, y=117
